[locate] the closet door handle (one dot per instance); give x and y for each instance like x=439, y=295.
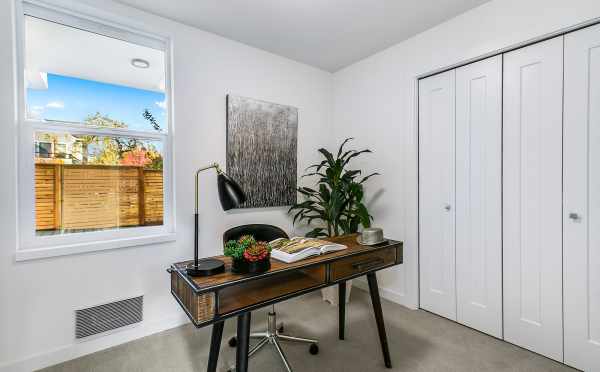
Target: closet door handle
x=447, y=207
x=574, y=216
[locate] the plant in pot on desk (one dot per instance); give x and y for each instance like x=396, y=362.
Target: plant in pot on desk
x=248, y=255
x=335, y=206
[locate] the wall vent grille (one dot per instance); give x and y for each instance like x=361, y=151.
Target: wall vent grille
x=102, y=318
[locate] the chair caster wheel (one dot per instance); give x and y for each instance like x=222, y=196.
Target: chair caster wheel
x=313, y=349
x=232, y=343
x=280, y=329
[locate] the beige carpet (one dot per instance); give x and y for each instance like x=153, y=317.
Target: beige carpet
x=419, y=341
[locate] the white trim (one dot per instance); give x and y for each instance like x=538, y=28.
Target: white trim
x=57, y=14
x=77, y=128
x=386, y=293
x=30, y=246
x=93, y=246
x=98, y=343
x=510, y=48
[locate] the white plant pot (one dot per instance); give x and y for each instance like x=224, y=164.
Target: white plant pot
x=331, y=293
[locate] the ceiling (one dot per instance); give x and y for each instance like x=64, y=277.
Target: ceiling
x=328, y=34
x=58, y=49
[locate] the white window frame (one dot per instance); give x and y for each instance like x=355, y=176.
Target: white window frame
x=31, y=246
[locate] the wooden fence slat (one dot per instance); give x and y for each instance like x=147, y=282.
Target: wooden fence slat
x=96, y=197
x=58, y=196
x=141, y=197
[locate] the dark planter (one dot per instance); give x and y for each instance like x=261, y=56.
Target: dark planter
x=239, y=266
x=244, y=267
x=259, y=266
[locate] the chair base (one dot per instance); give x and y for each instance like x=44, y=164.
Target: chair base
x=273, y=336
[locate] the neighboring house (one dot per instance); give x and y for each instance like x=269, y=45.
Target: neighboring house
x=53, y=148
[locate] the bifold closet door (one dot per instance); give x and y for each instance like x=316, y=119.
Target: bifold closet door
x=479, y=195
x=436, y=194
x=532, y=197
x=582, y=199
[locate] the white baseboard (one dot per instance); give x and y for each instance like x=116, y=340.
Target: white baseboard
x=92, y=345
x=388, y=294
x=117, y=337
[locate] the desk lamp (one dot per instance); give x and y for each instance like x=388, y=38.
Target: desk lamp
x=231, y=195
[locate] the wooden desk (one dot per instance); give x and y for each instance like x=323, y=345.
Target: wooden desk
x=211, y=300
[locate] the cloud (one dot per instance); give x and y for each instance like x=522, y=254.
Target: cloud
x=161, y=104
x=36, y=112
x=55, y=105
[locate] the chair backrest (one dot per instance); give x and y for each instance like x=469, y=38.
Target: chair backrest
x=261, y=232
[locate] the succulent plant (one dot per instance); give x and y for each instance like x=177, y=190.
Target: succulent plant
x=246, y=240
x=234, y=250
x=246, y=247
x=257, y=252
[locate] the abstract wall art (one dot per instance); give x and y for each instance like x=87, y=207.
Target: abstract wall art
x=262, y=142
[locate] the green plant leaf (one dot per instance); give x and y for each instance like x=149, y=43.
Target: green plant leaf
x=324, y=192
x=369, y=176
x=365, y=218
x=313, y=174
x=328, y=156
x=350, y=175
x=318, y=166
x=316, y=233
x=335, y=204
x=342, y=145
x=355, y=154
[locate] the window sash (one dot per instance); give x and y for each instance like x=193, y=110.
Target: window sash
x=77, y=128
x=92, y=24
x=31, y=246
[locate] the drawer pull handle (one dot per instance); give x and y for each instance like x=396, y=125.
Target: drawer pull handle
x=367, y=264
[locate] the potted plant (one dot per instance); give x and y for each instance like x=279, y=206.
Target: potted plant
x=335, y=206
x=258, y=257
x=248, y=255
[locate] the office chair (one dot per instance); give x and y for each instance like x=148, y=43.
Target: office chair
x=273, y=333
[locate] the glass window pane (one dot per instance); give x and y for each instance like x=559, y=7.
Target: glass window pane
x=91, y=183
x=72, y=75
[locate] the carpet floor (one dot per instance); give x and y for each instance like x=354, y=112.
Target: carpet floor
x=419, y=341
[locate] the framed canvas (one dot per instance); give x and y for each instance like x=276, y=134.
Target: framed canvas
x=262, y=142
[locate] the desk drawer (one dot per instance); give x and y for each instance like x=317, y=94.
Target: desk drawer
x=240, y=296
x=362, y=263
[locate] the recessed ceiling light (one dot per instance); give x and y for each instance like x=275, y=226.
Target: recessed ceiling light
x=140, y=63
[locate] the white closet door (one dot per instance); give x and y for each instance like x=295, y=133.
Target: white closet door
x=479, y=195
x=532, y=235
x=436, y=194
x=582, y=199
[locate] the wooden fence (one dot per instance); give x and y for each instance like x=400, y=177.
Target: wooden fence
x=83, y=197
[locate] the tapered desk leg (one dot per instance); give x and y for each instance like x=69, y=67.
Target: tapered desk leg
x=215, y=346
x=374, y=289
x=243, y=337
x=342, y=308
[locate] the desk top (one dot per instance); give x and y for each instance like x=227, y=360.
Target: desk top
x=211, y=283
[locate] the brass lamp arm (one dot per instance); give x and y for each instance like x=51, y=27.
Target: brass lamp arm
x=219, y=171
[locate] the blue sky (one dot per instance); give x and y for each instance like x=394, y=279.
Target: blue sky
x=73, y=99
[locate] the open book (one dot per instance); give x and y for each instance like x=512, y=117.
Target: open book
x=299, y=248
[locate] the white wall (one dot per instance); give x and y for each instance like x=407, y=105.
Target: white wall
x=374, y=100
x=38, y=298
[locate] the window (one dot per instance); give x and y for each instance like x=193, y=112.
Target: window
x=43, y=149
x=94, y=110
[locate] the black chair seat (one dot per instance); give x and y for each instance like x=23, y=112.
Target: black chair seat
x=261, y=232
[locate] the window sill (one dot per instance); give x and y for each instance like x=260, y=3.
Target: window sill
x=65, y=250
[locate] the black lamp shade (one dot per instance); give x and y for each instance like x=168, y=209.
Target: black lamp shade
x=231, y=194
